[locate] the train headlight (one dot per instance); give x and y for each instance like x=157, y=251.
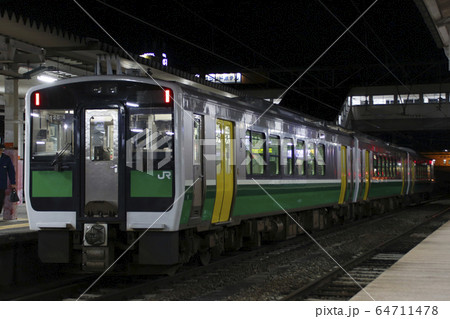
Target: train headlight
x=95, y=234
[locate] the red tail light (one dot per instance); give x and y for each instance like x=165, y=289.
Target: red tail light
x=37, y=99
x=167, y=95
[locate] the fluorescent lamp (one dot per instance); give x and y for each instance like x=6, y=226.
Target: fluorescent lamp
x=132, y=104
x=46, y=78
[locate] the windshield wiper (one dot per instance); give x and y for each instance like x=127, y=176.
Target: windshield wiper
x=58, y=155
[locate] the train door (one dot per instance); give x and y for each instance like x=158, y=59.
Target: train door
x=101, y=162
x=356, y=171
x=403, y=172
x=350, y=181
x=413, y=176
x=224, y=171
x=343, y=174
x=408, y=170
x=198, y=168
x=366, y=174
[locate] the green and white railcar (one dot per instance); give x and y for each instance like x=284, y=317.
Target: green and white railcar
x=167, y=172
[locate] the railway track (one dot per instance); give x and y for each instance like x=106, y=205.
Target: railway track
x=138, y=287
x=342, y=285
x=151, y=288
x=221, y=268
x=55, y=290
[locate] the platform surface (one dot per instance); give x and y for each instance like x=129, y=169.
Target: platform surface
x=422, y=274
x=18, y=225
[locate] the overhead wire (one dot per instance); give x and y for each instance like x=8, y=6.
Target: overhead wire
x=315, y=61
x=126, y=52
x=376, y=36
x=208, y=51
x=239, y=41
x=319, y=57
x=383, y=46
x=365, y=46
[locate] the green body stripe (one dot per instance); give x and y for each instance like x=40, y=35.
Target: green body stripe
x=157, y=185
x=385, y=189
x=251, y=199
x=51, y=184
x=187, y=205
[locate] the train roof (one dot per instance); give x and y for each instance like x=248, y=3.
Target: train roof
x=255, y=105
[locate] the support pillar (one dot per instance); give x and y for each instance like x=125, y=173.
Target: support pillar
x=11, y=140
x=11, y=111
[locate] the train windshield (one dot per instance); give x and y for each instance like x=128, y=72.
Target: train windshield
x=52, y=132
x=150, y=152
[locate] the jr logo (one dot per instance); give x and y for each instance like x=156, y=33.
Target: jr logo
x=165, y=175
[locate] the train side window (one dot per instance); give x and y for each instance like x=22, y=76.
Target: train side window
x=255, y=145
x=321, y=159
x=375, y=166
x=258, y=153
x=300, y=158
x=197, y=140
x=380, y=166
x=388, y=167
x=311, y=159
x=228, y=149
x=274, y=155
x=394, y=167
x=288, y=156
x=391, y=161
x=248, y=153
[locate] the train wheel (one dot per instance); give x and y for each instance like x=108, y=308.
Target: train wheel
x=204, y=257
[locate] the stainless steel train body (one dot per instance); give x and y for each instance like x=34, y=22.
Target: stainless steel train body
x=166, y=172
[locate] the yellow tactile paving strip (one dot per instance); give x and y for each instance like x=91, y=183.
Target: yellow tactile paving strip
x=11, y=224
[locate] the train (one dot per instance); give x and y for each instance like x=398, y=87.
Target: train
x=160, y=173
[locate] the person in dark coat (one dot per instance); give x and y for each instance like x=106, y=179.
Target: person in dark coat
x=6, y=170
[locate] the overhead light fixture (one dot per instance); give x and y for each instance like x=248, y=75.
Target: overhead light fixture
x=131, y=104
x=46, y=78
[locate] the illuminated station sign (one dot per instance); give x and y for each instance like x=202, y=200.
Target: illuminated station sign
x=224, y=77
x=150, y=55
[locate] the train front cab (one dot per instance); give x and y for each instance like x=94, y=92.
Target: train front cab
x=99, y=162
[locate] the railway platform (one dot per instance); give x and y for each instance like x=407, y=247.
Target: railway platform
x=19, y=261
x=422, y=274
x=19, y=225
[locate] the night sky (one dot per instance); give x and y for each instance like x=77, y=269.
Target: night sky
x=271, y=35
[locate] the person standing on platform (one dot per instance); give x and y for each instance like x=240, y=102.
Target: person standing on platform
x=6, y=170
